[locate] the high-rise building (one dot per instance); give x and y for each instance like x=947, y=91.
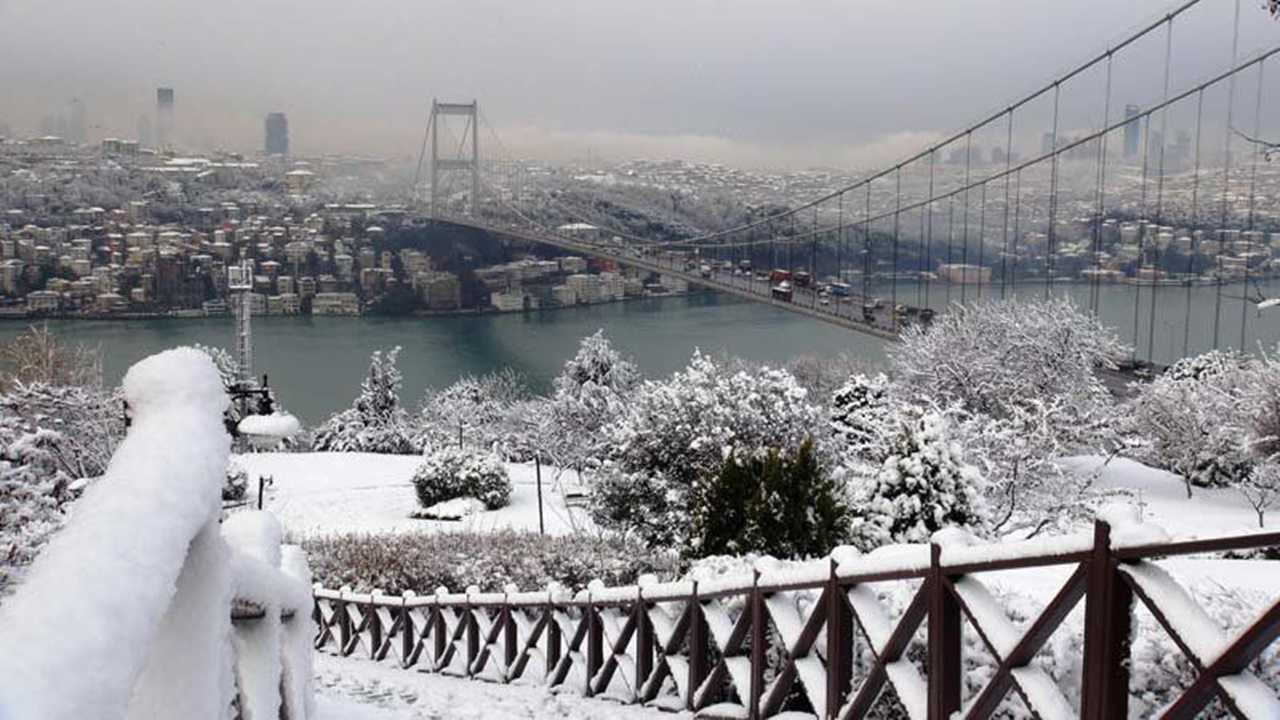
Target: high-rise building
x=277, y=132
x=1132, y=130
x=164, y=118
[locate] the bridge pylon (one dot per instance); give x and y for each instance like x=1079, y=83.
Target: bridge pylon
x=462, y=159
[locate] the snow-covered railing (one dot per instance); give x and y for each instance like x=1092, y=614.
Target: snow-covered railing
x=127, y=612
x=832, y=637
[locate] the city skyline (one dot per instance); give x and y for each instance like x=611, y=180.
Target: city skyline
x=639, y=102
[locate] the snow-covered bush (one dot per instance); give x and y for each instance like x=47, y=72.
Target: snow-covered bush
x=1198, y=418
x=38, y=356
x=375, y=422
x=470, y=411
x=923, y=486
x=453, y=472
x=680, y=429
x=236, y=485
x=50, y=437
x=422, y=562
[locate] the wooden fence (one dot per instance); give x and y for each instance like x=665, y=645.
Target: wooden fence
x=827, y=642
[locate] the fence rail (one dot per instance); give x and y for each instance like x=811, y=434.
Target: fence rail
x=824, y=640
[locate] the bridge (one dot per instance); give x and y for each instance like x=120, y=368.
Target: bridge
x=1160, y=217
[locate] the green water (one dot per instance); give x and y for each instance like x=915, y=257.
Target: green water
x=316, y=363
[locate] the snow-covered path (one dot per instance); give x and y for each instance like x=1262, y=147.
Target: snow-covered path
x=355, y=689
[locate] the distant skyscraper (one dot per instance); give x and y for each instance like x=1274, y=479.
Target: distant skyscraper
x=144, y=131
x=1132, y=130
x=1046, y=143
x=164, y=118
x=77, y=122
x=277, y=131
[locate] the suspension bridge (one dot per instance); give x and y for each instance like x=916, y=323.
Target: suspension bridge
x=1160, y=217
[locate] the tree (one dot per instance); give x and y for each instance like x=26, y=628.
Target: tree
x=995, y=355
x=784, y=505
x=1261, y=488
x=38, y=356
x=679, y=430
x=375, y=422
x=922, y=487
x=590, y=393
x=469, y=411
x=862, y=416
x=1198, y=419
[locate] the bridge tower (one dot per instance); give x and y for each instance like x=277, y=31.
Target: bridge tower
x=455, y=160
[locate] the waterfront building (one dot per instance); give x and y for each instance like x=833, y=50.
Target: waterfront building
x=335, y=303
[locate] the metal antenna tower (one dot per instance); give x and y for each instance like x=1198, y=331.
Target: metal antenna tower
x=455, y=161
x=240, y=285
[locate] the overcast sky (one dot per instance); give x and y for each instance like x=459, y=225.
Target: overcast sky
x=752, y=82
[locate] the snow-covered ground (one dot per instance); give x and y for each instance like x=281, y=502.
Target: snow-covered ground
x=1161, y=498
x=353, y=689
x=331, y=493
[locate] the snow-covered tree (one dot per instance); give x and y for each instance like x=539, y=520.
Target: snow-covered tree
x=678, y=430
x=33, y=491
x=375, y=422
x=590, y=393
x=923, y=486
x=1198, y=419
x=470, y=411
x=39, y=356
x=996, y=355
x=863, y=417
x=1261, y=488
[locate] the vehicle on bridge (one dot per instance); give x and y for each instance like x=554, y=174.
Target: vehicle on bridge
x=705, y=270
x=802, y=278
x=838, y=289
x=779, y=275
x=744, y=266
x=782, y=291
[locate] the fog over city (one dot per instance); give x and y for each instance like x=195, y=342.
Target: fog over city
x=749, y=83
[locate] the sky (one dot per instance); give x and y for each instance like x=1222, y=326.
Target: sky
x=777, y=83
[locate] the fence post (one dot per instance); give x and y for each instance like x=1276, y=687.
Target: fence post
x=440, y=630
x=944, y=642
x=1108, y=621
x=839, y=645
x=697, y=647
x=408, y=637
x=553, y=641
x=644, y=642
x=759, y=638
x=344, y=625
x=473, y=636
x=595, y=644
x=375, y=627
x=510, y=640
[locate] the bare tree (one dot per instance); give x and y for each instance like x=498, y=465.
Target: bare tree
x=39, y=356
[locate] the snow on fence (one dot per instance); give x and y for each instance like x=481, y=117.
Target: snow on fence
x=828, y=641
x=133, y=608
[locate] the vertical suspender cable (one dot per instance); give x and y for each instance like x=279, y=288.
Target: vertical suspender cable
x=982, y=240
x=1197, y=232
x=1164, y=138
x=964, y=229
x=1253, y=200
x=1094, y=289
x=1053, y=195
x=897, y=210
x=928, y=235
x=1008, y=163
x=1226, y=180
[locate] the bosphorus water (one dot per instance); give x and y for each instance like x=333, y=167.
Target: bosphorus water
x=316, y=363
